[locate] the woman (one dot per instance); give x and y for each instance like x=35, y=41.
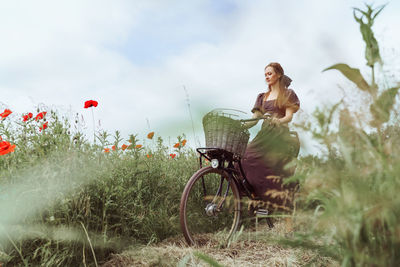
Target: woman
x=273, y=147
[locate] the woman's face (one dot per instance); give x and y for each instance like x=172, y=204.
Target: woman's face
x=271, y=77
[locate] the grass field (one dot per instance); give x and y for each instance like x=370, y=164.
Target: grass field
x=66, y=201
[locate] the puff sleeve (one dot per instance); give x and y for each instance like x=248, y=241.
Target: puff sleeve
x=258, y=103
x=293, y=101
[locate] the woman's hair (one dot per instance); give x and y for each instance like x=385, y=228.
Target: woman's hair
x=284, y=82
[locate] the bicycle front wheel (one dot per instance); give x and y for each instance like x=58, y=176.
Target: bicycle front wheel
x=210, y=207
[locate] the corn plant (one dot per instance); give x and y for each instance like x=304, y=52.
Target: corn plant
x=353, y=189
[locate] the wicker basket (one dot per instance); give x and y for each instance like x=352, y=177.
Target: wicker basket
x=222, y=131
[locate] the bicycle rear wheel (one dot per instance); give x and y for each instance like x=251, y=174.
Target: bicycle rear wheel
x=210, y=207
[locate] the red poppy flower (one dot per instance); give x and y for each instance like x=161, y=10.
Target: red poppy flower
x=44, y=126
x=172, y=155
x=6, y=147
x=113, y=148
x=177, y=145
x=40, y=115
x=5, y=113
x=106, y=150
x=150, y=135
x=27, y=116
x=91, y=103
x=184, y=142
x=123, y=147
x=138, y=146
x=148, y=156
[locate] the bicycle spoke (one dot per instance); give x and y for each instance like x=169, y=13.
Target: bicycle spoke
x=205, y=211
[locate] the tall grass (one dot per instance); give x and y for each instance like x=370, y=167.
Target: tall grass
x=354, y=187
x=61, y=196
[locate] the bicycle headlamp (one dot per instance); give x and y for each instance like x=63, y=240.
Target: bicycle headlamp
x=214, y=163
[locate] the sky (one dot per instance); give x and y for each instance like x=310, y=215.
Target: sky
x=161, y=65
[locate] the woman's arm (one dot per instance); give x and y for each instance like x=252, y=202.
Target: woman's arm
x=287, y=118
x=256, y=114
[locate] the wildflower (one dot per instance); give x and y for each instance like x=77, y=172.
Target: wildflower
x=91, y=103
x=138, y=146
x=150, y=135
x=40, y=115
x=177, y=145
x=148, y=156
x=44, y=126
x=113, y=148
x=5, y=113
x=184, y=142
x=27, y=116
x=106, y=150
x=123, y=147
x=5, y=147
x=172, y=155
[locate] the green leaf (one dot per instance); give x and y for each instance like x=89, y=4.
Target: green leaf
x=372, y=49
x=382, y=106
x=207, y=259
x=352, y=74
x=184, y=261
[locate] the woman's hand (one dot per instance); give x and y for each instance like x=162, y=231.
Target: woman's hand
x=249, y=124
x=276, y=121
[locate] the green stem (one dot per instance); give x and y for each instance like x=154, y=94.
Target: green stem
x=373, y=74
x=94, y=127
x=373, y=84
x=90, y=244
x=190, y=113
x=16, y=248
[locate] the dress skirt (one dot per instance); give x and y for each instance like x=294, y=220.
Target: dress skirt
x=264, y=166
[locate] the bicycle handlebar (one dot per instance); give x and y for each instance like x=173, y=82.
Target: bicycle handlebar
x=267, y=116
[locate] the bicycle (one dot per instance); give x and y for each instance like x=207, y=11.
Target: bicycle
x=211, y=201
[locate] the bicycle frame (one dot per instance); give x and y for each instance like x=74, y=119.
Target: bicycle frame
x=220, y=197
x=234, y=175
x=224, y=158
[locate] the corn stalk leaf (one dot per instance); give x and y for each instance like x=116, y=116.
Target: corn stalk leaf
x=353, y=75
x=382, y=106
x=372, y=49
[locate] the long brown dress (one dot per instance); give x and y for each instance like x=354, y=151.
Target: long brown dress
x=267, y=154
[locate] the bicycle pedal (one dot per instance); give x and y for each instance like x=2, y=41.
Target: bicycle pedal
x=262, y=212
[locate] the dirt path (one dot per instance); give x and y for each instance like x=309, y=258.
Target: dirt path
x=252, y=248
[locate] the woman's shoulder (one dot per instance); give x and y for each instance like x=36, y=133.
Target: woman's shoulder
x=258, y=103
x=293, y=98
x=260, y=95
x=290, y=91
